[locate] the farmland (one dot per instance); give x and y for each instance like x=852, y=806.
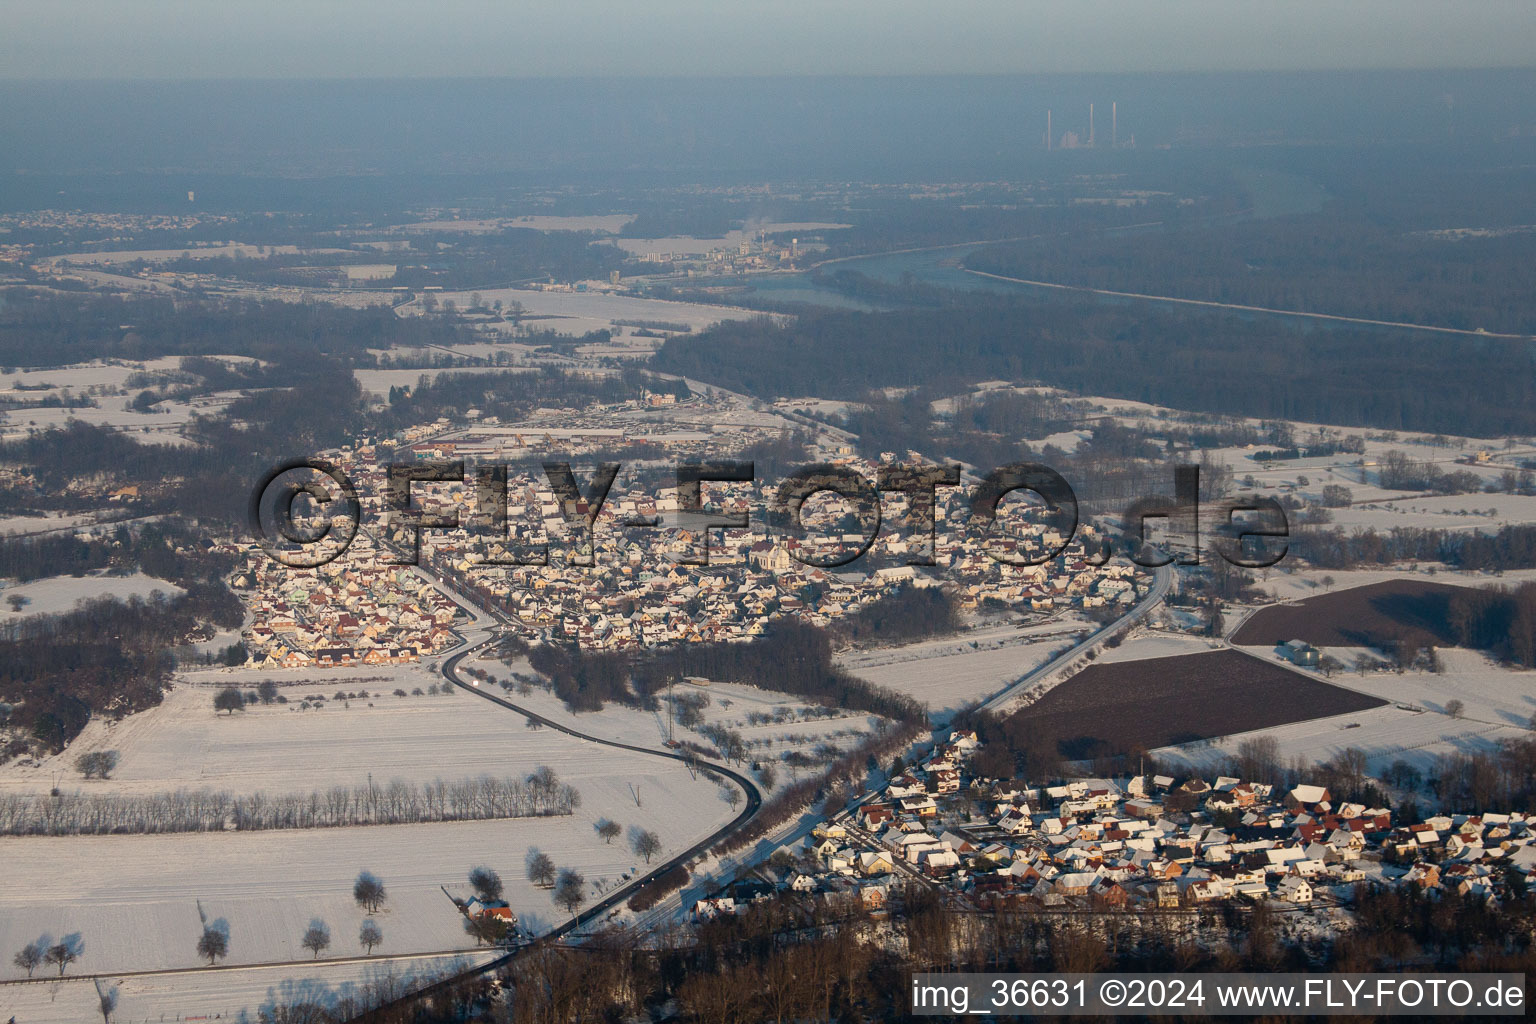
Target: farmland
x=952, y=672
x=1112, y=708
x=1370, y=616
x=220, y=994
x=1496, y=705
x=137, y=907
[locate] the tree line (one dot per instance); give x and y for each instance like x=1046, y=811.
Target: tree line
x=1511, y=547
x=792, y=658
x=397, y=802
x=1341, y=261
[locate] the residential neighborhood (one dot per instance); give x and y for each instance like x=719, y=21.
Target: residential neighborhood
x=639, y=590
x=1151, y=841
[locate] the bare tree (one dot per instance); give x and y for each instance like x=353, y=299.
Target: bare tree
x=370, y=934
x=106, y=1002
x=570, y=890
x=646, y=844
x=65, y=952
x=213, y=943
x=30, y=956
x=204, y=810
x=1455, y=708
x=368, y=891
x=541, y=869
x=609, y=830
x=317, y=937
x=1258, y=759
x=486, y=883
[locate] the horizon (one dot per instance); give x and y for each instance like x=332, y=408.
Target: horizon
x=348, y=39
x=770, y=76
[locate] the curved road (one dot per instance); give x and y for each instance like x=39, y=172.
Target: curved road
x=1163, y=578
x=754, y=801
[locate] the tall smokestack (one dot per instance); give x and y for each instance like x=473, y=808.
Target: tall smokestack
x=1090, y=124
x=1114, y=123
x=1047, y=131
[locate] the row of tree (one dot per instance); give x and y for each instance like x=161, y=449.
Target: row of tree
x=397, y=802
x=1512, y=547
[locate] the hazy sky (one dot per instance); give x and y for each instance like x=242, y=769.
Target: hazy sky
x=514, y=38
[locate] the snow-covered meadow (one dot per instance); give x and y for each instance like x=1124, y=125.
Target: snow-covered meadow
x=772, y=724
x=954, y=672
x=214, y=995
x=136, y=905
x=55, y=594
x=1497, y=704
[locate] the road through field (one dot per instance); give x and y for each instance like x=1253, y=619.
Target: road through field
x=1162, y=579
x=483, y=635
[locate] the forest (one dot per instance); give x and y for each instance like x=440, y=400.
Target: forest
x=1204, y=361
x=792, y=658
x=41, y=329
x=1342, y=261
x=1500, y=620
x=107, y=656
x=782, y=960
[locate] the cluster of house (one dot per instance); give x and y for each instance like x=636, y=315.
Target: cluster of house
x=356, y=611
x=1149, y=841
x=638, y=594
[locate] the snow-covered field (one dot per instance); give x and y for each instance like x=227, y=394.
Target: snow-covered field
x=1498, y=704
x=1449, y=512
x=22, y=525
x=136, y=907
x=1385, y=734
x=56, y=594
x=227, y=250
x=581, y=312
x=1144, y=644
x=108, y=385
x=134, y=899
x=802, y=729
x=150, y=427
x=611, y=223
x=1360, y=471
x=212, y=995
x=277, y=748
x=950, y=673
x=83, y=377
x=1303, y=583
x=1490, y=693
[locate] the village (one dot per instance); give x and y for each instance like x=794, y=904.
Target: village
x=1147, y=842
x=641, y=588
